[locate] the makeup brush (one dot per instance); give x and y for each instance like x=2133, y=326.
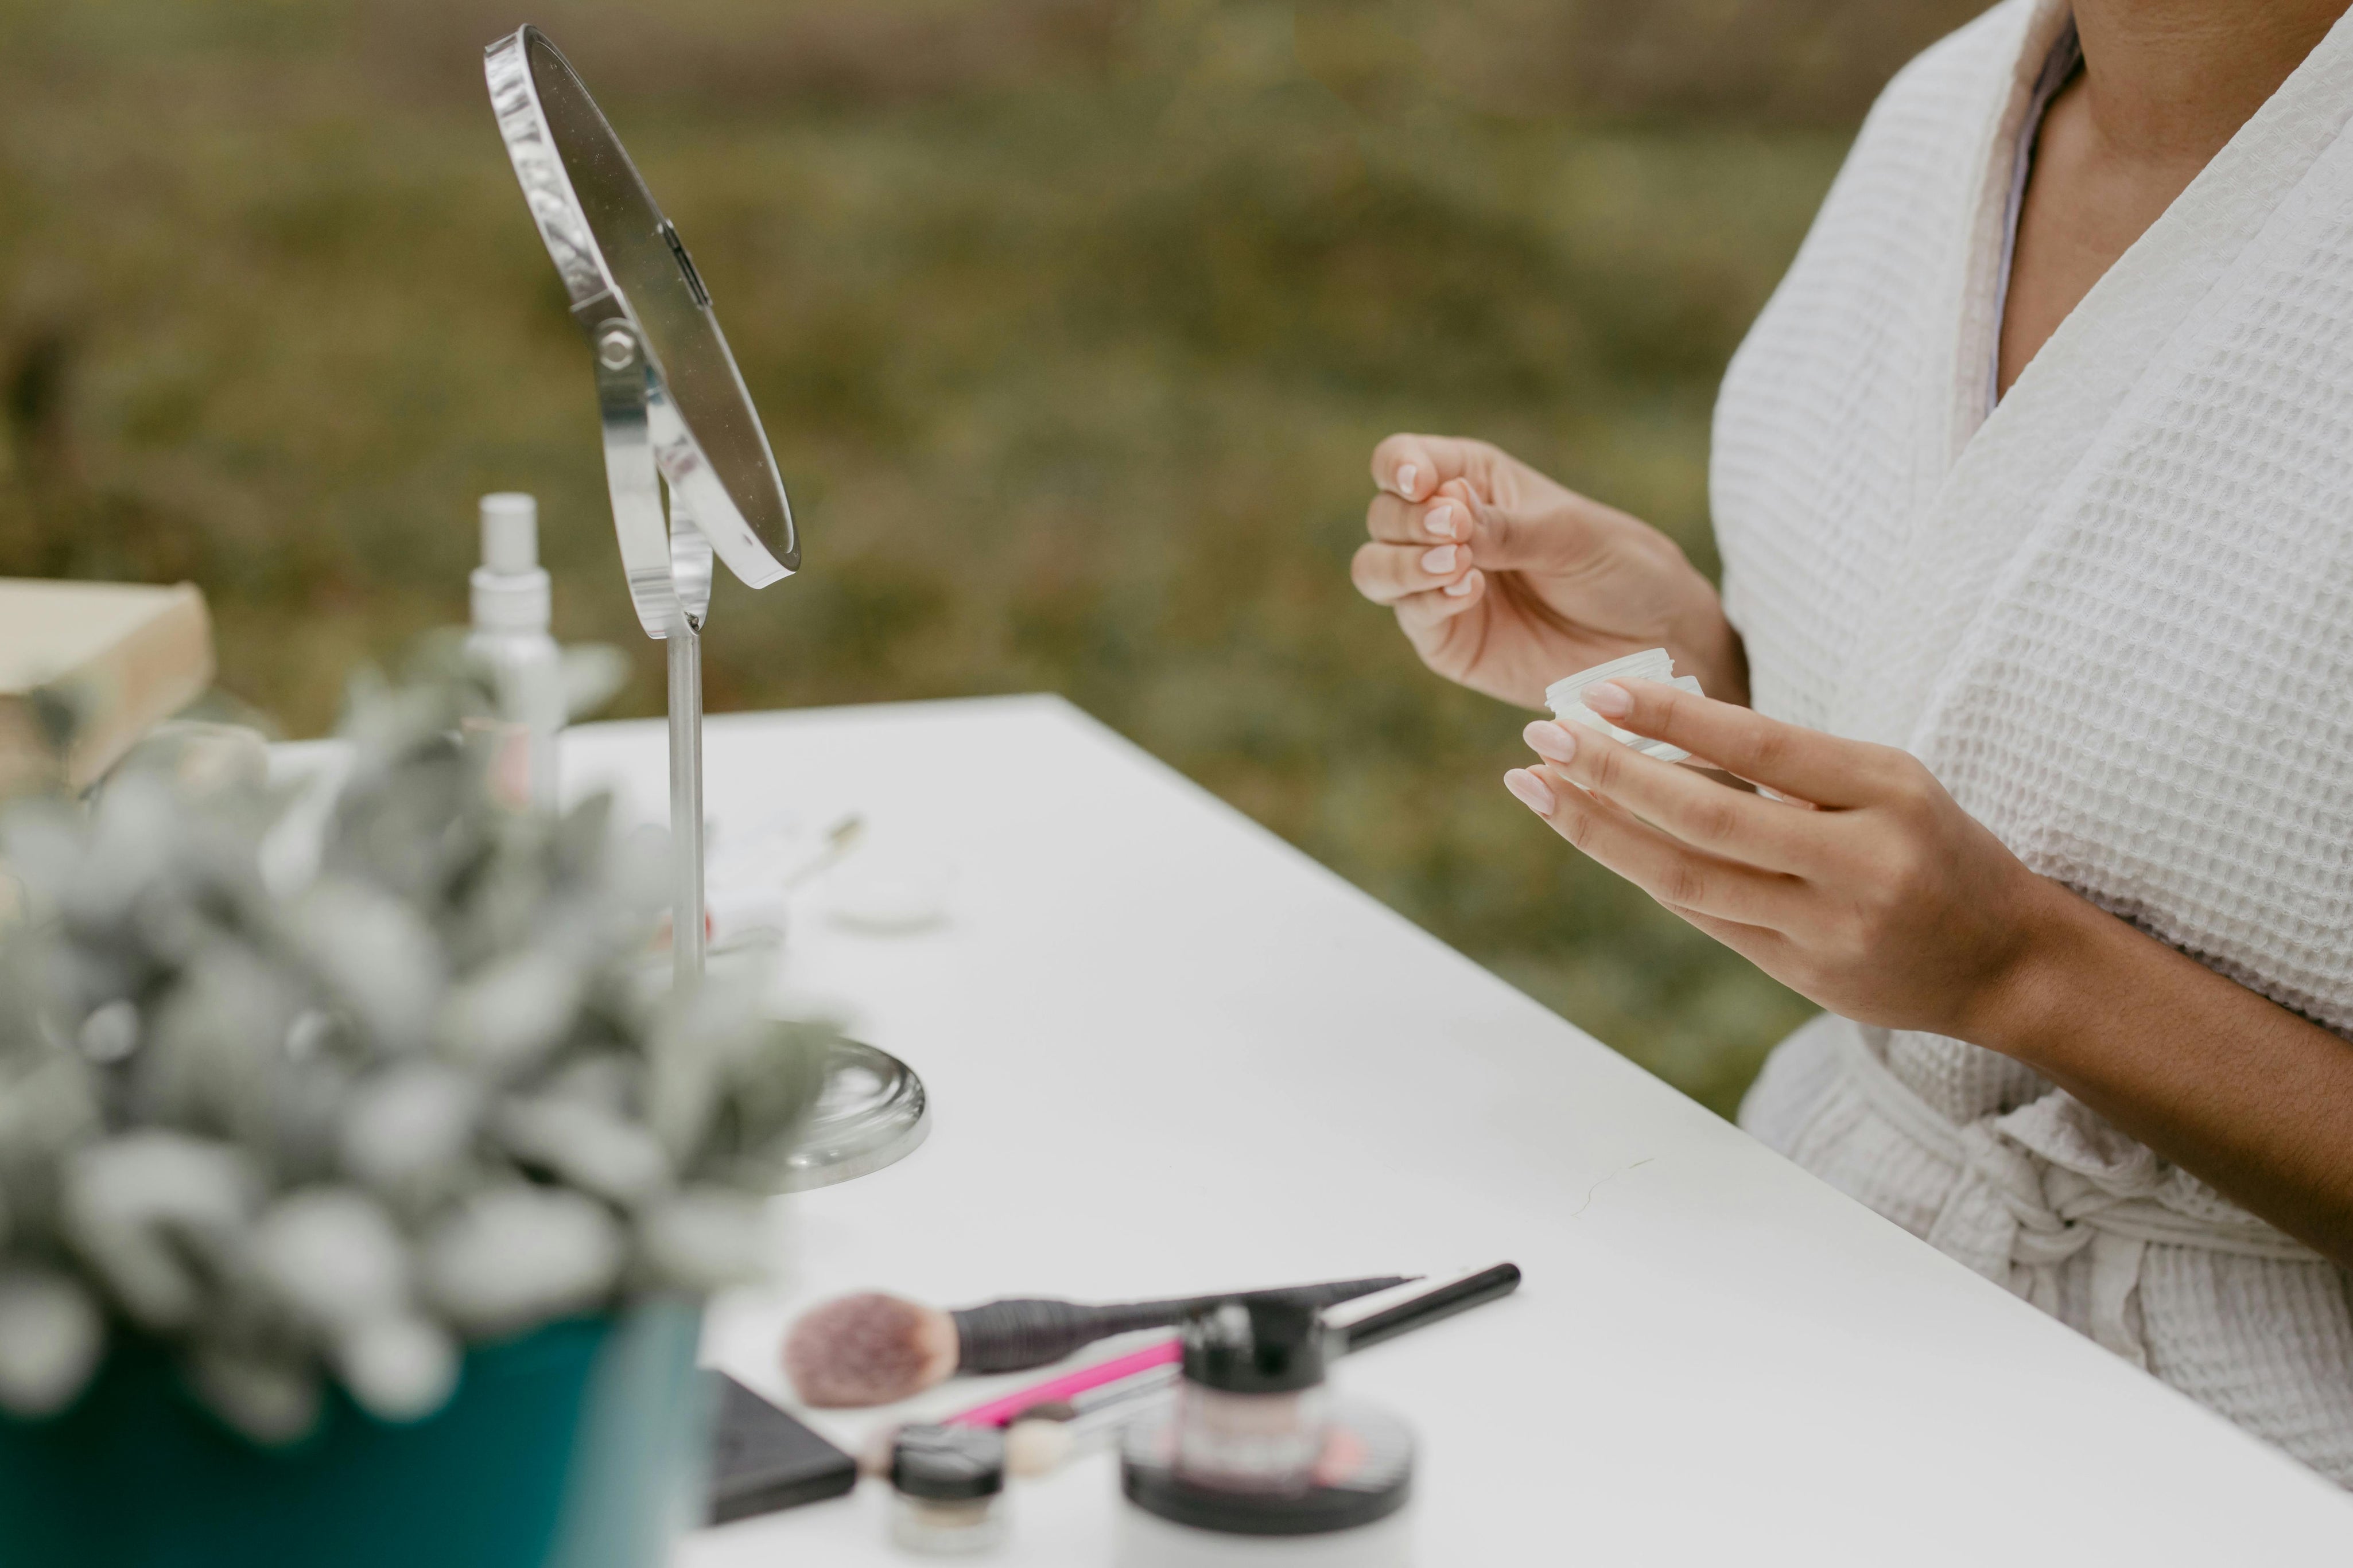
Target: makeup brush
x=1366, y=1321
x=1046, y=1423
x=874, y=1349
x=1071, y=1387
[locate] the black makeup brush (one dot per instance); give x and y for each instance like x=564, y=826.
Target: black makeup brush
x=872, y=1349
x=1367, y=1320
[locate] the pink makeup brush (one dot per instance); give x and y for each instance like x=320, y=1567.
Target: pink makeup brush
x=998, y=1412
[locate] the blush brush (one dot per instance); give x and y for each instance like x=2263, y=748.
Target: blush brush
x=874, y=1349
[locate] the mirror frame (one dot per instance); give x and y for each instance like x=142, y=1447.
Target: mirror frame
x=646, y=437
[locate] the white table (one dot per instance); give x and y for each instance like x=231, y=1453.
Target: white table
x=1169, y=1054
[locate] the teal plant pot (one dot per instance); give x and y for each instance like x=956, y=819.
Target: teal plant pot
x=577, y=1446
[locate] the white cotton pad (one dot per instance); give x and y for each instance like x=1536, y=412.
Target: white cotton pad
x=884, y=892
x=1566, y=698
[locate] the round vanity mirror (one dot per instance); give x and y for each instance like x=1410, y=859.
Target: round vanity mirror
x=673, y=400
x=676, y=418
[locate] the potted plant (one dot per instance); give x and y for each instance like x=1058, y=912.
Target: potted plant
x=359, y=1183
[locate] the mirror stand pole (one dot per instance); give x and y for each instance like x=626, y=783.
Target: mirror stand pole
x=684, y=647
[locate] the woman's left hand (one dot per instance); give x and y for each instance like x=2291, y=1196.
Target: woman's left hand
x=1868, y=888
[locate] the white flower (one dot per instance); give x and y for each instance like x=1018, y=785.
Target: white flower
x=259, y=1121
x=135, y=1204
x=408, y=1123
x=375, y=952
x=111, y=1032
x=705, y=1238
x=508, y=1015
x=587, y=1145
x=216, y=1036
x=134, y=833
x=46, y=1106
x=518, y=1255
x=50, y=1336
x=334, y=1256
x=398, y=1368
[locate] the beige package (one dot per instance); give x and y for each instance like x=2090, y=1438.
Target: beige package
x=127, y=655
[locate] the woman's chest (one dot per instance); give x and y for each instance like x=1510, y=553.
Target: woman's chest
x=2126, y=643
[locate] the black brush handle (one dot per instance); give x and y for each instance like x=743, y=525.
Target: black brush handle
x=1025, y=1332
x=1457, y=1296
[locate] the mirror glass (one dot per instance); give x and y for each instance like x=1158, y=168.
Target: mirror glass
x=651, y=279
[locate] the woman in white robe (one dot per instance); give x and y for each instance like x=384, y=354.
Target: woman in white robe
x=2034, y=488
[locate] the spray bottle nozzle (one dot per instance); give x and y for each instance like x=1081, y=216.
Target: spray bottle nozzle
x=510, y=531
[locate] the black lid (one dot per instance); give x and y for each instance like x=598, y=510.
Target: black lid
x=948, y=1463
x=1264, y=1345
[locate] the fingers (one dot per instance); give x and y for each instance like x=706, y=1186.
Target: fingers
x=1387, y=572
x=1824, y=769
x=1413, y=466
x=1688, y=881
x=1763, y=948
x=1728, y=823
x=1427, y=618
x=1566, y=533
x=1434, y=520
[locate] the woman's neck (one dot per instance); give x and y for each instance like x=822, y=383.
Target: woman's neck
x=2170, y=81
x=2164, y=85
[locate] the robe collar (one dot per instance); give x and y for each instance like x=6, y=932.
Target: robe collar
x=1985, y=488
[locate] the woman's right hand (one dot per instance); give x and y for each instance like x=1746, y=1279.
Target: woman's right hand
x=1504, y=581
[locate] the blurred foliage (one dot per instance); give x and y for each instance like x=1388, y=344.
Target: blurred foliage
x=1073, y=322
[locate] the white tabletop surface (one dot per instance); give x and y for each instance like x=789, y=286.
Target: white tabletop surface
x=1169, y=1054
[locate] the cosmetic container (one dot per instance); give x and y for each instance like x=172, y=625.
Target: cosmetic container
x=1257, y=1454
x=1251, y=1406
x=1566, y=698
x=511, y=605
x=948, y=1489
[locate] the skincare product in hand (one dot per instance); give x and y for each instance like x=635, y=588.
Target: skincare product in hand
x=1566, y=698
x=511, y=605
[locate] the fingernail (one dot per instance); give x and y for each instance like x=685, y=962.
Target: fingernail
x=1550, y=741
x=1610, y=699
x=1532, y=791
x=1461, y=589
x=1438, y=562
x=1406, y=477
x=1439, y=522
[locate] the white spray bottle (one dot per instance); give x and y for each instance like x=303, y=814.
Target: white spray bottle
x=511, y=605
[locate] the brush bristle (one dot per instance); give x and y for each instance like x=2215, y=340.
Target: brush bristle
x=867, y=1349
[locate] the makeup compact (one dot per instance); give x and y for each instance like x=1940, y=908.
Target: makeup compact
x=763, y=1460
x=1257, y=1449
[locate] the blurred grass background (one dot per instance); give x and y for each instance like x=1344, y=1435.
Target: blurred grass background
x=1072, y=322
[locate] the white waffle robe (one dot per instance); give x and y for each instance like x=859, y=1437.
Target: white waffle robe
x=2114, y=615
